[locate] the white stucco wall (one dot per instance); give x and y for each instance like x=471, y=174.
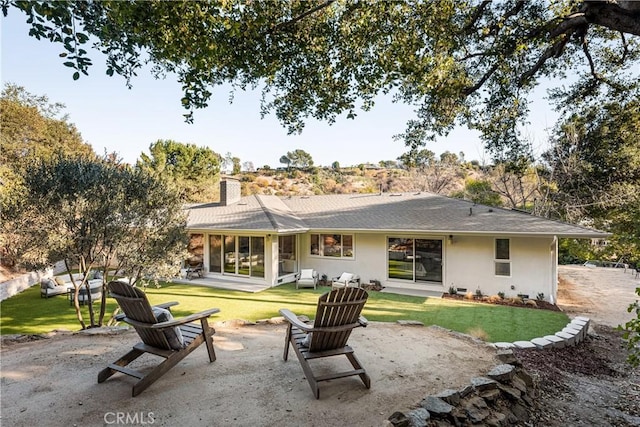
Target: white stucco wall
x=470, y=264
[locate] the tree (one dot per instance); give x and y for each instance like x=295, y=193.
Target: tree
x=594, y=162
x=32, y=128
x=193, y=170
x=300, y=159
x=472, y=63
x=285, y=161
x=236, y=165
x=248, y=166
x=94, y=214
x=335, y=166
x=479, y=191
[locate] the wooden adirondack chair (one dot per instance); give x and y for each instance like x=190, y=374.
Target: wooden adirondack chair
x=337, y=314
x=162, y=336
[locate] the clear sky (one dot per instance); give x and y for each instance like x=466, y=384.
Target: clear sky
x=113, y=118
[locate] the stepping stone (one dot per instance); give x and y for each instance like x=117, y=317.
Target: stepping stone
x=557, y=341
x=503, y=345
x=569, y=339
x=542, y=343
x=524, y=344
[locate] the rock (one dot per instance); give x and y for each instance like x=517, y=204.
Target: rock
x=524, y=376
x=450, y=396
x=507, y=356
x=511, y=393
x=490, y=395
x=466, y=391
x=556, y=340
x=541, y=343
x=569, y=339
x=477, y=410
x=419, y=417
x=398, y=419
x=409, y=323
x=436, y=406
x=483, y=383
x=502, y=373
x=524, y=344
x=503, y=345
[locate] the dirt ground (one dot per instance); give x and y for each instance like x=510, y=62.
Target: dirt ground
x=591, y=384
x=52, y=381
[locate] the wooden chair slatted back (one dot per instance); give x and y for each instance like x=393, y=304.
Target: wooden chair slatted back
x=337, y=308
x=135, y=306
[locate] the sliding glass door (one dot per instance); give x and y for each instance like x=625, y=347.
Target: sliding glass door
x=418, y=260
x=238, y=255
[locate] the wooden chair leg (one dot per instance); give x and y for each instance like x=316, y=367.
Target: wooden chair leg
x=208, y=338
x=356, y=365
x=123, y=361
x=287, y=339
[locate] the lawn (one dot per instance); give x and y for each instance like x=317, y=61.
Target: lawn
x=27, y=313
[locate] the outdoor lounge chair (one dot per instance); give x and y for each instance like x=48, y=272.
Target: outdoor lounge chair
x=161, y=335
x=337, y=314
x=346, y=280
x=307, y=278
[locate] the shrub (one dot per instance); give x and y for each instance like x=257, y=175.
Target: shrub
x=501, y=295
x=514, y=300
x=469, y=295
x=531, y=302
x=453, y=290
x=540, y=296
x=495, y=298
x=478, y=293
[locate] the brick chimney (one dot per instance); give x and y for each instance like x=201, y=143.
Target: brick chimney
x=229, y=191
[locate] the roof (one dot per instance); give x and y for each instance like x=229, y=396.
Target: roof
x=398, y=212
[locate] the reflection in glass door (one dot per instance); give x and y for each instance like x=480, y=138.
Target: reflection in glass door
x=419, y=260
x=215, y=253
x=428, y=260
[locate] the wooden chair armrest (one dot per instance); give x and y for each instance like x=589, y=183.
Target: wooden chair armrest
x=174, y=322
x=290, y=317
x=188, y=319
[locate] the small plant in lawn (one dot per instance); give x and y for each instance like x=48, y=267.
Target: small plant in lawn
x=478, y=332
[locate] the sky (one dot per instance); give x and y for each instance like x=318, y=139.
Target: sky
x=113, y=118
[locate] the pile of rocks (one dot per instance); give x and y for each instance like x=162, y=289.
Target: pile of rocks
x=503, y=397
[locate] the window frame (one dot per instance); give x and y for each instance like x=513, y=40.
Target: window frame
x=319, y=239
x=498, y=257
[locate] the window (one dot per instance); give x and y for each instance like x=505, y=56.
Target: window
x=332, y=245
x=502, y=257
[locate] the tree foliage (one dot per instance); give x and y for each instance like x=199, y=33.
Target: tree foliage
x=193, y=170
x=95, y=214
x=32, y=129
x=457, y=62
x=299, y=159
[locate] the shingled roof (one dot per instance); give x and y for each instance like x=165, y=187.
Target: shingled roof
x=398, y=212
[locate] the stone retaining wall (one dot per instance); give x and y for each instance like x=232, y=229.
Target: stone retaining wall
x=503, y=397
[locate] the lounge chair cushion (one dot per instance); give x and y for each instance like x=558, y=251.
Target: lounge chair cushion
x=306, y=273
x=306, y=342
x=345, y=277
x=48, y=284
x=173, y=335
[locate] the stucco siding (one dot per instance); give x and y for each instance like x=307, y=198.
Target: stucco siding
x=470, y=265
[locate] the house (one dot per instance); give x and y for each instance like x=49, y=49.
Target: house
x=408, y=241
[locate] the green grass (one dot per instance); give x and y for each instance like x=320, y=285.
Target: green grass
x=27, y=313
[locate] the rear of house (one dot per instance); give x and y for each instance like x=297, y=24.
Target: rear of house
x=407, y=242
